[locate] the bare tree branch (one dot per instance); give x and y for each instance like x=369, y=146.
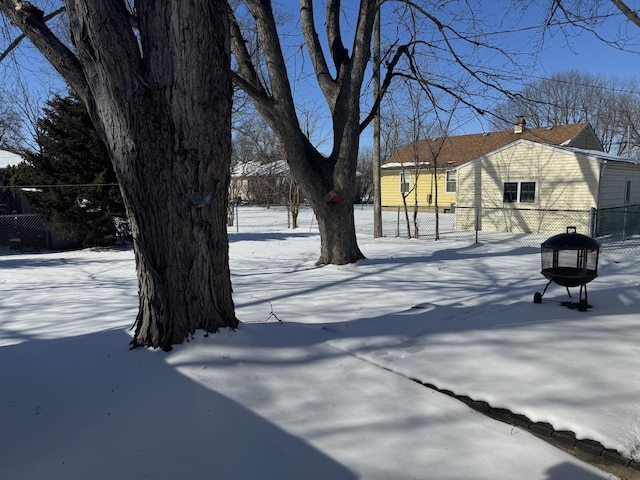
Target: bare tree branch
x=402, y=50
x=589, y=20
x=630, y=14
x=246, y=76
x=14, y=44
x=339, y=54
x=281, y=96
x=31, y=21
x=325, y=80
x=362, y=39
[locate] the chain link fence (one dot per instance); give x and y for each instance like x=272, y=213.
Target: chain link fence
x=621, y=223
x=528, y=227
x=24, y=232
x=617, y=229
x=31, y=232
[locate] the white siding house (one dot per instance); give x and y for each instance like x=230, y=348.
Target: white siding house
x=530, y=187
x=8, y=159
x=259, y=182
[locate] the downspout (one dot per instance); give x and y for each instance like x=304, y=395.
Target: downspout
x=596, y=211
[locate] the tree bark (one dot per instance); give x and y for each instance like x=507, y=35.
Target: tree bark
x=338, y=245
x=170, y=137
x=161, y=100
x=172, y=147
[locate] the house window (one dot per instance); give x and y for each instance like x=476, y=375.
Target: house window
x=627, y=192
x=528, y=192
x=405, y=182
x=519, y=192
x=450, y=182
x=510, y=194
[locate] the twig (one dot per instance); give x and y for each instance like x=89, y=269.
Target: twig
x=271, y=313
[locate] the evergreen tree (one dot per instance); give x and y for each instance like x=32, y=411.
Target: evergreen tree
x=74, y=157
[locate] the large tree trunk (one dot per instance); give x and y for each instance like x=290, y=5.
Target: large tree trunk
x=338, y=244
x=165, y=115
x=160, y=97
x=180, y=237
x=331, y=190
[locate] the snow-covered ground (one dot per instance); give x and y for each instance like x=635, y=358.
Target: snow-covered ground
x=316, y=383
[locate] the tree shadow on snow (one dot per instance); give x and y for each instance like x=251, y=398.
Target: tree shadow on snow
x=570, y=470
x=87, y=407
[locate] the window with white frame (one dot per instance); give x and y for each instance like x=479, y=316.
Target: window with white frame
x=520, y=192
x=450, y=181
x=405, y=182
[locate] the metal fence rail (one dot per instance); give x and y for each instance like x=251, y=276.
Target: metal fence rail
x=430, y=226
x=617, y=230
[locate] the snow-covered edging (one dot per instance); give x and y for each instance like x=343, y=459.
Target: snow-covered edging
x=589, y=450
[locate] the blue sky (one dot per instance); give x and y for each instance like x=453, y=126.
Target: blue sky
x=540, y=53
x=582, y=51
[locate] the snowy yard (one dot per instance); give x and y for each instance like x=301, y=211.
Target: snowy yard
x=317, y=382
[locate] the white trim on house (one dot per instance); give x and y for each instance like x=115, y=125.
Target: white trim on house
x=602, y=156
x=518, y=194
x=387, y=166
x=450, y=185
x=405, y=184
x=593, y=154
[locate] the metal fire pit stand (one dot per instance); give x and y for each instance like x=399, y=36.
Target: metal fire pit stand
x=582, y=304
x=570, y=260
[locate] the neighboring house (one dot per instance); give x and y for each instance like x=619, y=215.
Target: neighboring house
x=256, y=182
x=10, y=199
x=529, y=187
x=9, y=159
x=425, y=167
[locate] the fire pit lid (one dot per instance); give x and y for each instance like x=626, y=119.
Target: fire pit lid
x=571, y=241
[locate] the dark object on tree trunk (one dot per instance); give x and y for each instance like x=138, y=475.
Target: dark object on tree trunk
x=332, y=197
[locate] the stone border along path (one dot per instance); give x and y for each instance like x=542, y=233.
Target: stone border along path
x=589, y=451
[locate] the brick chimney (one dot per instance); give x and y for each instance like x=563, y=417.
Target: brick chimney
x=519, y=125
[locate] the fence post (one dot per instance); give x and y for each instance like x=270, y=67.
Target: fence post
x=477, y=221
x=593, y=223
x=398, y=223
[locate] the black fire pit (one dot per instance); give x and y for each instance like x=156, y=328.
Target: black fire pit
x=570, y=260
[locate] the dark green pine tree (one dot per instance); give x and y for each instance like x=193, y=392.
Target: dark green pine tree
x=73, y=156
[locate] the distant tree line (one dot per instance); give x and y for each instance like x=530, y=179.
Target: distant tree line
x=610, y=104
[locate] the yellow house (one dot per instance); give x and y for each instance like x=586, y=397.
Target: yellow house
x=529, y=187
x=424, y=172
